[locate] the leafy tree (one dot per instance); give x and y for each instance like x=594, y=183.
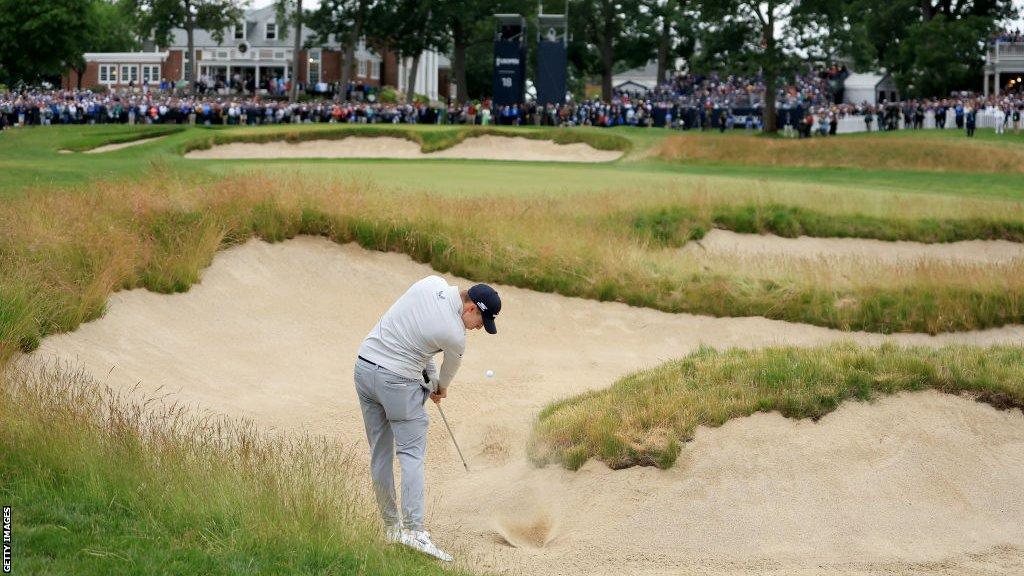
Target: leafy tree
x=470, y=23
x=108, y=28
x=409, y=27
x=158, y=19
x=753, y=32
x=38, y=38
x=346, y=20
x=290, y=13
x=673, y=31
x=930, y=46
x=606, y=35
x=769, y=36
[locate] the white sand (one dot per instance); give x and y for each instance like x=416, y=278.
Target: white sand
x=122, y=145
x=478, y=148
x=916, y=484
x=804, y=247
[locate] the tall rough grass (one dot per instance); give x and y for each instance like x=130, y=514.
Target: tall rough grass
x=868, y=152
x=62, y=254
x=644, y=418
x=104, y=484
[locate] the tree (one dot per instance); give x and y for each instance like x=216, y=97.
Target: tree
x=760, y=46
x=346, y=20
x=461, y=16
x=38, y=36
x=409, y=27
x=674, y=29
x=108, y=28
x=297, y=47
x=289, y=13
x=930, y=46
x=470, y=24
x=158, y=19
x=606, y=34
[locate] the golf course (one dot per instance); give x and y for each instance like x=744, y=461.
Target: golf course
x=719, y=353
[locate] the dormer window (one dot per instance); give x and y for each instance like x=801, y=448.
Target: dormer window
x=240, y=31
x=271, y=31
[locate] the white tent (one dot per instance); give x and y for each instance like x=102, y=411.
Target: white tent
x=870, y=88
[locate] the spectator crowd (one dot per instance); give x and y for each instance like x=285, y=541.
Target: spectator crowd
x=807, y=105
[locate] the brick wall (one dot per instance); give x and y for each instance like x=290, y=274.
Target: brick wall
x=172, y=67
x=90, y=78
x=330, y=66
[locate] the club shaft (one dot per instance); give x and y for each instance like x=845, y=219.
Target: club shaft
x=454, y=441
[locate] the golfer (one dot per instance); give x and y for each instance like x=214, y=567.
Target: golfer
x=394, y=375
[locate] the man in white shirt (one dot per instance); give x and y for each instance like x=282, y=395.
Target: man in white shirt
x=394, y=376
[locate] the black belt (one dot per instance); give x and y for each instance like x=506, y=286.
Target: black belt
x=370, y=363
x=426, y=379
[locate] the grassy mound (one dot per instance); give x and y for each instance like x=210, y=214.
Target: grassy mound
x=62, y=254
x=644, y=418
x=100, y=485
x=432, y=140
x=104, y=135
x=866, y=151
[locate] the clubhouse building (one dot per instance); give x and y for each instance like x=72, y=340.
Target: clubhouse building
x=254, y=53
x=1004, y=68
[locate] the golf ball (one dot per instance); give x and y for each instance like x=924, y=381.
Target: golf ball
x=489, y=373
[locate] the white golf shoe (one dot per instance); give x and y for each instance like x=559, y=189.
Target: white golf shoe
x=420, y=540
x=393, y=534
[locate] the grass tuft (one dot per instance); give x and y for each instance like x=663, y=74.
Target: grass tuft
x=102, y=483
x=642, y=419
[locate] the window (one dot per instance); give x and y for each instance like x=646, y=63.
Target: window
x=314, y=66
x=279, y=55
x=271, y=31
x=375, y=70
x=108, y=73
x=150, y=73
x=240, y=31
x=362, y=68
x=129, y=73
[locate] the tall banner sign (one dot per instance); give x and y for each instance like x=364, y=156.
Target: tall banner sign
x=509, y=60
x=509, y=73
x=551, y=62
x=551, y=59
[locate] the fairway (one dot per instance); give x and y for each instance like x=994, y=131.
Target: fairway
x=718, y=353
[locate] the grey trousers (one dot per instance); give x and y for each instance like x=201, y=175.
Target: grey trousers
x=395, y=421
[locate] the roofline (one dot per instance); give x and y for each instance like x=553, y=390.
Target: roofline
x=117, y=57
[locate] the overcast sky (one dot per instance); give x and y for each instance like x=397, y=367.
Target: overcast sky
x=314, y=3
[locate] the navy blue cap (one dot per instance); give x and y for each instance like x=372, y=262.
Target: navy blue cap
x=487, y=300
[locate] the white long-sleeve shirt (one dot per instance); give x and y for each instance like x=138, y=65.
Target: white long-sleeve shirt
x=424, y=321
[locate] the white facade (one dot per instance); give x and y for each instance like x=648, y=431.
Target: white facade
x=1002, y=60
x=426, y=74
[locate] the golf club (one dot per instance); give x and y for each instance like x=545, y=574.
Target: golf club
x=453, y=437
x=426, y=380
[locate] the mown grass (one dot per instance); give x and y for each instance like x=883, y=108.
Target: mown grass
x=644, y=418
x=869, y=152
x=104, y=484
x=433, y=139
x=104, y=135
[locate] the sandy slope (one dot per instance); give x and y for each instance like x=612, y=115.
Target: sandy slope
x=804, y=247
x=478, y=148
x=916, y=484
x=113, y=147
